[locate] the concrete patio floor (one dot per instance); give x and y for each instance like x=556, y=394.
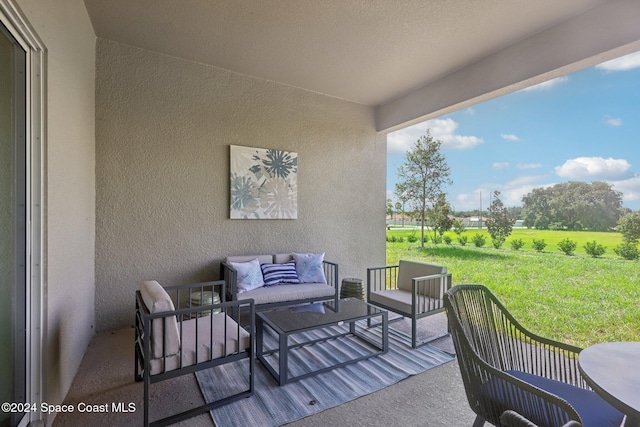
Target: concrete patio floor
x=434, y=398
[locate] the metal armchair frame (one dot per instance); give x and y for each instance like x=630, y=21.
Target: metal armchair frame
x=203, y=317
x=386, y=279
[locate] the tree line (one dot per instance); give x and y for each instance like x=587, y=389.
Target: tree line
x=571, y=205
x=574, y=206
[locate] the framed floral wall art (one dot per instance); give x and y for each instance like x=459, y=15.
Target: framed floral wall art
x=264, y=183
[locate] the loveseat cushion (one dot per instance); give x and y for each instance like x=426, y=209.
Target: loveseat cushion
x=244, y=258
x=158, y=300
x=283, y=293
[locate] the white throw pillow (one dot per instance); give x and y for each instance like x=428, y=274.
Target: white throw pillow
x=249, y=275
x=309, y=268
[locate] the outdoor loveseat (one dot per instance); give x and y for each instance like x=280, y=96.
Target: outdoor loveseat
x=170, y=342
x=280, y=279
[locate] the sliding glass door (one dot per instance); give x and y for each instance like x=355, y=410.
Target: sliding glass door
x=13, y=230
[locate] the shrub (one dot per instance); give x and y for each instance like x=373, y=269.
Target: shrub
x=395, y=239
x=516, y=244
x=463, y=240
x=627, y=250
x=539, y=245
x=437, y=239
x=497, y=242
x=629, y=226
x=594, y=249
x=412, y=239
x=447, y=240
x=479, y=240
x=567, y=246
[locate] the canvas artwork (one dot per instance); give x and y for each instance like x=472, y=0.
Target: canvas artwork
x=264, y=183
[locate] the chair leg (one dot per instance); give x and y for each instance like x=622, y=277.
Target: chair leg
x=479, y=421
x=414, y=327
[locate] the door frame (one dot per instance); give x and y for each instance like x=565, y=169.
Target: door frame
x=15, y=22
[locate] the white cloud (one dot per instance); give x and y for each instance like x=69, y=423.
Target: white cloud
x=500, y=165
x=524, y=180
x=624, y=63
x=630, y=188
x=593, y=168
x=525, y=166
x=470, y=111
x=445, y=131
x=511, y=193
x=509, y=137
x=441, y=129
x=549, y=84
x=613, y=121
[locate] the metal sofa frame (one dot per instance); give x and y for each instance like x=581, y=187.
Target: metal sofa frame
x=230, y=277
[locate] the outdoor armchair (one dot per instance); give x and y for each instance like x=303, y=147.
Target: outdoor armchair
x=412, y=289
x=170, y=342
x=505, y=367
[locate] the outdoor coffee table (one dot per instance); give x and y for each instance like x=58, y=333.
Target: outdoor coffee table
x=320, y=316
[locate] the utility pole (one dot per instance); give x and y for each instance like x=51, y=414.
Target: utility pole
x=480, y=212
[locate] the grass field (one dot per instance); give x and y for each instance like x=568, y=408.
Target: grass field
x=576, y=299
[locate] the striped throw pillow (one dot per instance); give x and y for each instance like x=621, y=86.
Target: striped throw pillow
x=277, y=274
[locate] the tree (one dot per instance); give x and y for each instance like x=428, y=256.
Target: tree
x=458, y=227
x=398, y=208
x=499, y=223
x=389, y=209
x=629, y=226
x=422, y=176
x=440, y=216
x=574, y=206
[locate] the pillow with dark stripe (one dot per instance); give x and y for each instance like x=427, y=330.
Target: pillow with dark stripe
x=277, y=274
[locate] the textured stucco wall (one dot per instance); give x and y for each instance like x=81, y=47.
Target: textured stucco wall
x=163, y=130
x=69, y=233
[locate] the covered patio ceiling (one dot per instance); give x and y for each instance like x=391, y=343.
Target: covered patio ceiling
x=410, y=59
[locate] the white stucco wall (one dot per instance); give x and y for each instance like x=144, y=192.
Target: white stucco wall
x=69, y=231
x=163, y=130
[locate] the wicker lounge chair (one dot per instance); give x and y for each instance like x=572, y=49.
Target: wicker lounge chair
x=505, y=367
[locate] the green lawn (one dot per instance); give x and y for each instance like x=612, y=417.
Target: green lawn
x=576, y=299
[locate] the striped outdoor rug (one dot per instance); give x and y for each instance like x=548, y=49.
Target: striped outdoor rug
x=273, y=405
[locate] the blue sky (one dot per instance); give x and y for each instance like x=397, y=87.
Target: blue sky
x=583, y=126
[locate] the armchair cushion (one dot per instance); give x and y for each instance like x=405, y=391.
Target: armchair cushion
x=401, y=300
x=249, y=275
x=158, y=300
x=409, y=270
x=223, y=342
x=593, y=411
